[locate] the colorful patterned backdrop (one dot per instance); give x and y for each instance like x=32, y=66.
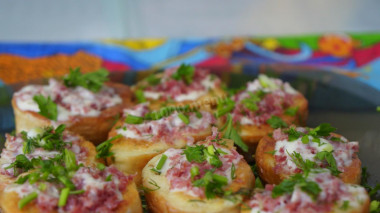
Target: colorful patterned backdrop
x=354, y=55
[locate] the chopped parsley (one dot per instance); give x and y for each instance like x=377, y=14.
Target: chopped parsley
x=92, y=81
x=194, y=153
x=212, y=183
x=328, y=156
x=287, y=187
x=184, y=73
x=49, y=139
x=276, y=122
x=374, y=206
x=305, y=165
x=47, y=107
x=21, y=163
x=251, y=102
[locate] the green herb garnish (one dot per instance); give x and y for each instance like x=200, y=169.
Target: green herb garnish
x=212, y=183
x=92, y=81
x=276, y=122
x=184, y=118
x=184, y=73
x=131, y=119
x=139, y=94
x=27, y=199
x=292, y=111
x=231, y=133
x=287, y=187
x=103, y=149
x=47, y=107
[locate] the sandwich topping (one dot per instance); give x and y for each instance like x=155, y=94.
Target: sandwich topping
x=202, y=170
x=94, y=190
x=297, y=148
x=39, y=143
x=61, y=101
x=263, y=98
x=319, y=192
x=141, y=124
x=184, y=83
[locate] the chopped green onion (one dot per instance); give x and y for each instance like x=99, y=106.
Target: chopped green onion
x=76, y=192
x=161, y=162
x=220, y=179
x=131, y=119
x=140, y=96
x=194, y=171
x=233, y=169
x=184, y=118
x=210, y=150
x=42, y=187
x=66, y=181
x=27, y=199
x=305, y=139
x=224, y=108
x=63, y=197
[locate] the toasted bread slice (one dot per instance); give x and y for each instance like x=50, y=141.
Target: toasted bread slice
x=266, y=163
x=94, y=129
x=162, y=198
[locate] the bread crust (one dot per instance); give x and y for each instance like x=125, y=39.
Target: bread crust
x=94, y=129
x=266, y=162
x=251, y=134
x=132, y=203
x=131, y=155
x=165, y=201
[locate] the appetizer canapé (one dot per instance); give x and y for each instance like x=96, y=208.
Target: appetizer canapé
x=144, y=134
x=295, y=149
x=87, y=105
x=20, y=150
x=265, y=104
x=178, y=86
x=318, y=192
x=207, y=177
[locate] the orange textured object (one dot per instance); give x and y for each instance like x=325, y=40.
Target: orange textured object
x=15, y=69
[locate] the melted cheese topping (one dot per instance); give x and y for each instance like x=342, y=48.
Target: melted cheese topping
x=70, y=102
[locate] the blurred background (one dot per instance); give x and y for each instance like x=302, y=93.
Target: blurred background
x=73, y=20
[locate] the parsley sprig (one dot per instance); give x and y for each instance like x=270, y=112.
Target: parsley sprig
x=287, y=186
x=92, y=81
x=185, y=73
x=47, y=107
